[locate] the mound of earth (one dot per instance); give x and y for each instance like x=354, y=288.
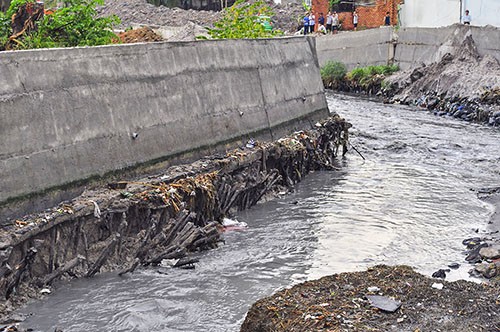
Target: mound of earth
x=141, y=35
x=140, y=12
x=381, y=299
x=464, y=74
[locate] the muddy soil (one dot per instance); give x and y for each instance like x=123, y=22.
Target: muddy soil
x=344, y=302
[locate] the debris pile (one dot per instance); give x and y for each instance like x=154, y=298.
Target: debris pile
x=381, y=299
x=166, y=216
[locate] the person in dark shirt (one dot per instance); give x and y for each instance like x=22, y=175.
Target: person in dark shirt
x=321, y=19
x=387, y=19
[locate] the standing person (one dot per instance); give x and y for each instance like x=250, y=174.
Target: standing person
x=306, y=24
x=329, y=21
x=355, y=20
x=387, y=20
x=467, y=18
x=335, y=22
x=321, y=19
x=312, y=22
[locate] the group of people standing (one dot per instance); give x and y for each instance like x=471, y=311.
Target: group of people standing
x=332, y=22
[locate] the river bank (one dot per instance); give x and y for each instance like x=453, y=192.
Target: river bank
x=380, y=299
x=166, y=216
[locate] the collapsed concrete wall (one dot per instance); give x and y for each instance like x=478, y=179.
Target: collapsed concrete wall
x=409, y=47
x=69, y=114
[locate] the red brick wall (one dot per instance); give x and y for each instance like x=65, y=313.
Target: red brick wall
x=368, y=17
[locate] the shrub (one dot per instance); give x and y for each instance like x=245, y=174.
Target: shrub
x=369, y=78
x=76, y=24
x=244, y=20
x=332, y=73
x=4, y=30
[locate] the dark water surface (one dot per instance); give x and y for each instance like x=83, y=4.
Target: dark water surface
x=411, y=202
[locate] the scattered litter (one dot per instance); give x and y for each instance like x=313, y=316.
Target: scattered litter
x=437, y=285
x=373, y=289
x=384, y=303
x=250, y=144
x=97, y=211
x=45, y=291
x=233, y=223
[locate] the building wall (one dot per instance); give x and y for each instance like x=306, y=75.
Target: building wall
x=369, y=16
x=69, y=114
x=432, y=13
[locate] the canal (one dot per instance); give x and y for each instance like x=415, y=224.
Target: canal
x=411, y=201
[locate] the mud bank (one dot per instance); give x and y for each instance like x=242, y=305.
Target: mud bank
x=380, y=299
x=142, y=222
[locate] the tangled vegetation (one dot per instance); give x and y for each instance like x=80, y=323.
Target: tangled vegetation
x=75, y=24
x=367, y=79
x=245, y=20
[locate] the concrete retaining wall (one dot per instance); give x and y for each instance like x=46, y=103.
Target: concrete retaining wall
x=357, y=49
x=69, y=114
x=409, y=47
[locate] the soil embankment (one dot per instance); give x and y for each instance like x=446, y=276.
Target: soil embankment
x=167, y=216
x=463, y=84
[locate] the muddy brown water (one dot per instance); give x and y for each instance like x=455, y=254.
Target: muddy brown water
x=412, y=201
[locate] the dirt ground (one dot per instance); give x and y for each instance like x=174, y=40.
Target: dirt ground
x=144, y=34
x=341, y=303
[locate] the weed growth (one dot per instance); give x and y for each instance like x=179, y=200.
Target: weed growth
x=332, y=73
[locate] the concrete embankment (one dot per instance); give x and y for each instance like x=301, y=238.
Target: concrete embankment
x=71, y=114
x=409, y=47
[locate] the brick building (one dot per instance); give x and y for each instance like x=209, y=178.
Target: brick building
x=371, y=13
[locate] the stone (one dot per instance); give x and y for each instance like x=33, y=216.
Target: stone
x=487, y=270
x=492, y=252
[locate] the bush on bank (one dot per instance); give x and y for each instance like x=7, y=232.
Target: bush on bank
x=333, y=73
x=76, y=24
x=363, y=79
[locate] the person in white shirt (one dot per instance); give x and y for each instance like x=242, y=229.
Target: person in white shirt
x=329, y=21
x=467, y=18
x=355, y=20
